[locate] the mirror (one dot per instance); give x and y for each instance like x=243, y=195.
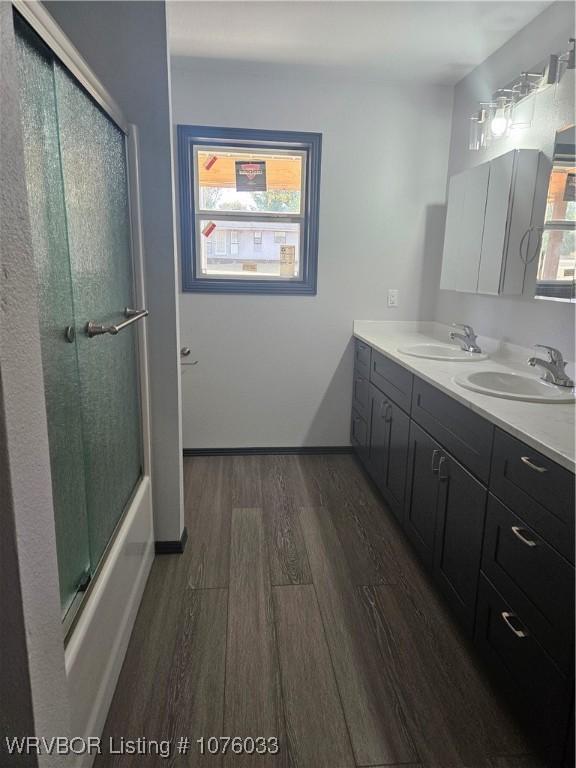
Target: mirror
x=556, y=279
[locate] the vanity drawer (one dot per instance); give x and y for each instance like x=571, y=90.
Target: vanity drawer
x=360, y=436
x=537, y=489
x=392, y=379
x=538, y=690
x=362, y=354
x=466, y=435
x=361, y=396
x=534, y=578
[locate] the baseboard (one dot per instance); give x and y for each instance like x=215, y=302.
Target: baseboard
x=304, y=450
x=172, y=547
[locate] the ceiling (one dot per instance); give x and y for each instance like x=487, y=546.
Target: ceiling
x=429, y=41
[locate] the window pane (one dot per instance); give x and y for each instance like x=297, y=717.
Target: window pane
x=243, y=249
x=249, y=180
x=558, y=255
x=557, y=263
x=561, y=203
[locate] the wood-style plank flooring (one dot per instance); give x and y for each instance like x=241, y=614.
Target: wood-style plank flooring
x=299, y=612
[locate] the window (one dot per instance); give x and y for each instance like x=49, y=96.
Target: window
x=256, y=192
x=555, y=278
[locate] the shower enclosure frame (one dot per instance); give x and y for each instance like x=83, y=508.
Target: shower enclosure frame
x=97, y=636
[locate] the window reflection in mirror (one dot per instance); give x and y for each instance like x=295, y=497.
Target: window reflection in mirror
x=556, y=277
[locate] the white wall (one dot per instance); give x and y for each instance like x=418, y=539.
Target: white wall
x=523, y=321
x=125, y=44
x=275, y=370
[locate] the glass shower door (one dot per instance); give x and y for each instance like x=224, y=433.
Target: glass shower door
x=77, y=181
x=96, y=193
x=56, y=311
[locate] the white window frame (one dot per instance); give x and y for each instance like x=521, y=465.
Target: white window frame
x=202, y=214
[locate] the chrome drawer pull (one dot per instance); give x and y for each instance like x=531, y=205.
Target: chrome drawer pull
x=516, y=530
x=507, y=616
x=435, y=453
x=442, y=463
x=526, y=460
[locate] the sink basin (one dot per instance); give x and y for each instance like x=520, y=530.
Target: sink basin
x=441, y=352
x=514, y=386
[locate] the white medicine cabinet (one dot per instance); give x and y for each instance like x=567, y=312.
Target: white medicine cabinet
x=493, y=222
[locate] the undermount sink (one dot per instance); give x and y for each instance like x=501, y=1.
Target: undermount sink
x=441, y=352
x=514, y=386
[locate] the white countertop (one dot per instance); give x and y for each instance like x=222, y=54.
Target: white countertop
x=546, y=427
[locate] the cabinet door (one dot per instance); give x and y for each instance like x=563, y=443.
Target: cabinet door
x=524, y=196
x=389, y=450
x=360, y=437
x=379, y=438
x=495, y=225
x=361, y=395
x=459, y=531
x=399, y=424
x=422, y=492
x=472, y=224
x=453, y=232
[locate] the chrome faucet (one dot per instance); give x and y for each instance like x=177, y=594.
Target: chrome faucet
x=553, y=368
x=467, y=340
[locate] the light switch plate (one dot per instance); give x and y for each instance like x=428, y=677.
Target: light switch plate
x=393, y=297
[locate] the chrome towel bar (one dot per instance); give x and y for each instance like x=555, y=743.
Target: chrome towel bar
x=131, y=315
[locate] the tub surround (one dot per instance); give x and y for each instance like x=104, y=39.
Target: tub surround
x=546, y=427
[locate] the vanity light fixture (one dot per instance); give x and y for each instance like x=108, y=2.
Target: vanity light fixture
x=511, y=107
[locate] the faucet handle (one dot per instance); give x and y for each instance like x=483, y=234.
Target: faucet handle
x=554, y=354
x=468, y=330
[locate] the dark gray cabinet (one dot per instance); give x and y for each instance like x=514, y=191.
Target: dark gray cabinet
x=540, y=693
x=362, y=356
x=460, y=514
x=422, y=493
x=360, y=436
x=361, y=402
x=444, y=520
x=390, y=428
x=361, y=396
x=535, y=488
x=391, y=379
x=534, y=577
x=466, y=435
x=493, y=522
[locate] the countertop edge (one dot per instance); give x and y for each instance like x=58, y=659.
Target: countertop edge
x=525, y=437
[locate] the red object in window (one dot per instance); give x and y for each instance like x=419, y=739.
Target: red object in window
x=208, y=229
x=251, y=170
x=210, y=162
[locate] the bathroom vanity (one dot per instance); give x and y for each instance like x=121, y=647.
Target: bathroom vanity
x=483, y=487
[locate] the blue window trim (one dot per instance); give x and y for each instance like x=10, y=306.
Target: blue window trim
x=311, y=143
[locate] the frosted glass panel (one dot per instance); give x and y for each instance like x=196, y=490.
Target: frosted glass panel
x=50, y=246
x=96, y=194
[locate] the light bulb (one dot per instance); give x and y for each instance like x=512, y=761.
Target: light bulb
x=499, y=123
